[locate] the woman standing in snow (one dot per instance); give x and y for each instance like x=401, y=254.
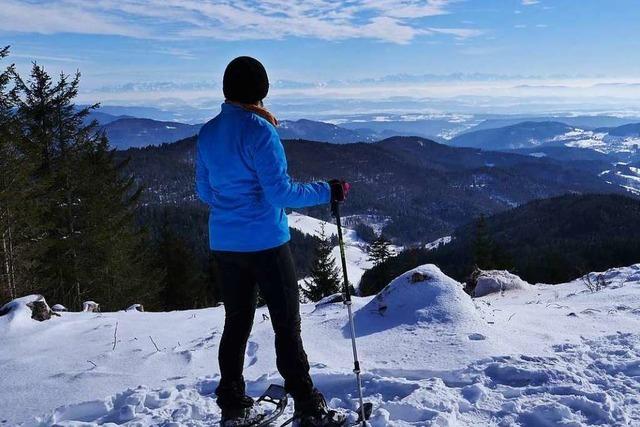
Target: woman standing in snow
x=241, y=173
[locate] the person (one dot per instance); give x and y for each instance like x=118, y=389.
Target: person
x=241, y=174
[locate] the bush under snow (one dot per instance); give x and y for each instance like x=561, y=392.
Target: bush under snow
x=494, y=281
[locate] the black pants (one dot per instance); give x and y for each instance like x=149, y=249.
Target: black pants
x=241, y=274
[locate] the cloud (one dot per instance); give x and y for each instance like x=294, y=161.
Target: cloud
x=530, y=2
x=396, y=21
x=55, y=17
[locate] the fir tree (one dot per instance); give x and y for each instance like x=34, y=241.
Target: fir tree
x=380, y=250
x=324, y=276
x=182, y=278
x=483, y=246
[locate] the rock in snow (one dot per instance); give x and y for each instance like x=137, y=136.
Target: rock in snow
x=59, y=308
x=90, y=307
x=136, y=307
x=431, y=356
x=497, y=281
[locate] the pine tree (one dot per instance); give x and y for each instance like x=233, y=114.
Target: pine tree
x=380, y=250
x=483, y=247
x=324, y=276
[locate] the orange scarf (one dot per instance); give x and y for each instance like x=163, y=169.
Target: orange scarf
x=257, y=109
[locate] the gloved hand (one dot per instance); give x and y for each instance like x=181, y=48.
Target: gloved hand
x=339, y=190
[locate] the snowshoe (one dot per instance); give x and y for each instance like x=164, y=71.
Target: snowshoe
x=314, y=412
x=242, y=417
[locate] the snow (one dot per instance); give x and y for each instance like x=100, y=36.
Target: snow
x=422, y=296
x=431, y=246
x=538, y=155
x=18, y=314
x=355, y=248
x=540, y=355
x=59, y=307
x=492, y=281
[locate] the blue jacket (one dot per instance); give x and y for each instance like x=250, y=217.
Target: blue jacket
x=241, y=173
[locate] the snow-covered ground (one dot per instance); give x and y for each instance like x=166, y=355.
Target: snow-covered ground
x=539, y=355
x=355, y=248
x=431, y=246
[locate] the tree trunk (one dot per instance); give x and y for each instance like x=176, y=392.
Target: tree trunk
x=12, y=265
x=7, y=268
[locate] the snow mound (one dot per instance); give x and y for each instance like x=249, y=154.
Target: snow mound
x=494, y=281
x=422, y=295
x=16, y=313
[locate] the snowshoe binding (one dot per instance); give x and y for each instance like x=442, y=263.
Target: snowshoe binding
x=242, y=417
x=314, y=412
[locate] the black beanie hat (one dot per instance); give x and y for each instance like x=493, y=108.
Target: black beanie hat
x=245, y=80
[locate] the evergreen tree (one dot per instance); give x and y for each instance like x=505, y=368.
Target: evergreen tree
x=483, y=246
x=324, y=276
x=380, y=250
x=182, y=278
x=80, y=224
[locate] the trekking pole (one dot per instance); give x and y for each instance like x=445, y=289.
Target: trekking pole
x=346, y=298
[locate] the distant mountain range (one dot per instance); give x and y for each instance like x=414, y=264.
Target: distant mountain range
x=404, y=179
x=128, y=132
x=622, y=142
x=520, y=135
x=583, y=122
x=324, y=132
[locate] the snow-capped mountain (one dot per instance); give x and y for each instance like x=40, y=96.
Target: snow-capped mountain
x=432, y=356
x=619, y=141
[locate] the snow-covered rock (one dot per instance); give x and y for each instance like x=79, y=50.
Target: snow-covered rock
x=135, y=307
x=59, y=308
x=330, y=299
x=90, y=307
x=18, y=313
x=497, y=281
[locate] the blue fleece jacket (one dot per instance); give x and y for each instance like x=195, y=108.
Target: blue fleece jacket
x=241, y=173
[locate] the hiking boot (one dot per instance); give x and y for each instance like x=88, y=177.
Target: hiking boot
x=232, y=395
x=241, y=417
x=314, y=412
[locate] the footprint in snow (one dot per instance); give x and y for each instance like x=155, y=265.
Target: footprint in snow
x=477, y=337
x=252, y=354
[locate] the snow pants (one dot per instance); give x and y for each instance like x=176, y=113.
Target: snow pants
x=241, y=274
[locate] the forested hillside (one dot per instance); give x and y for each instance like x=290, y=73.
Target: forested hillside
x=404, y=179
x=551, y=241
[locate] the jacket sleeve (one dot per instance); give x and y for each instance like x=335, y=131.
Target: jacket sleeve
x=271, y=167
x=203, y=187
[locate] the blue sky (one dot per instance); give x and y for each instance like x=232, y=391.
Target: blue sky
x=123, y=44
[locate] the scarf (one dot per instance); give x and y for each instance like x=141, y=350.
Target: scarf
x=257, y=109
